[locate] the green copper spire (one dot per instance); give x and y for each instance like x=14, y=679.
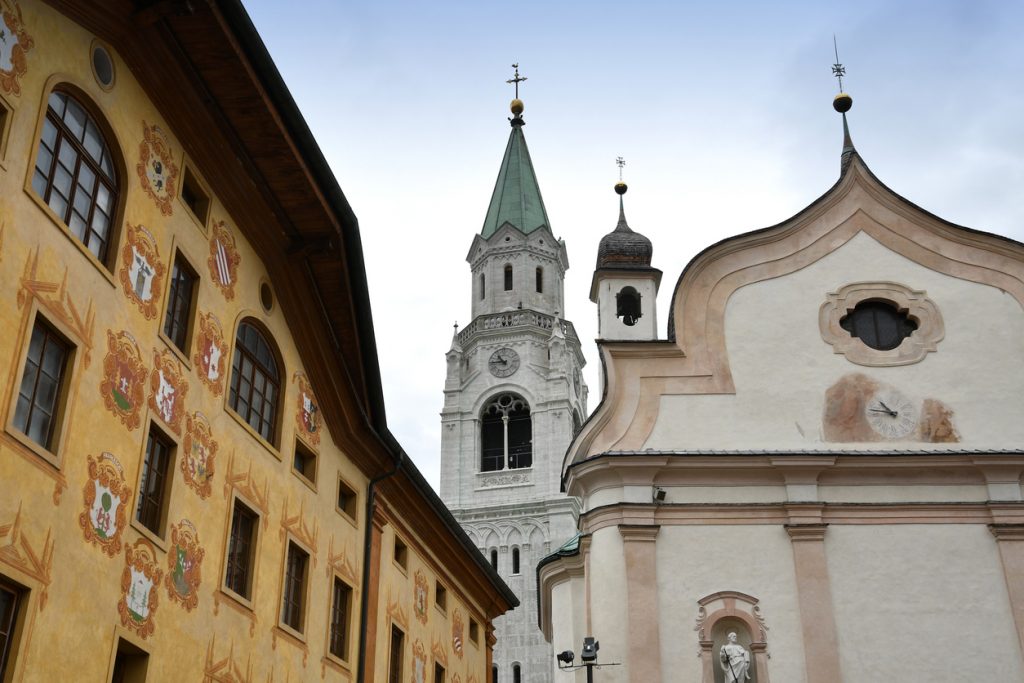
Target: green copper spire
x=516, y=197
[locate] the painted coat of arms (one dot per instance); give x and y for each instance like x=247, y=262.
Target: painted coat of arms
x=167, y=389
x=420, y=599
x=183, y=565
x=142, y=273
x=106, y=498
x=419, y=662
x=211, y=351
x=139, y=579
x=457, y=632
x=307, y=414
x=15, y=42
x=156, y=168
x=124, y=378
x=200, y=451
x=224, y=259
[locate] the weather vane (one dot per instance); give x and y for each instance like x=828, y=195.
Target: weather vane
x=838, y=70
x=620, y=162
x=517, y=80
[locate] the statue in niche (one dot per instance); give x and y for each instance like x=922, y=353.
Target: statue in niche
x=735, y=661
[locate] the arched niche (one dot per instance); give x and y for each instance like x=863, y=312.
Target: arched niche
x=724, y=612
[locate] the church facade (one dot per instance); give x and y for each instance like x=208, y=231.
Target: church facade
x=823, y=458
x=513, y=398
x=198, y=481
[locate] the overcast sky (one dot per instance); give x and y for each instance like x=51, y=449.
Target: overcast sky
x=722, y=111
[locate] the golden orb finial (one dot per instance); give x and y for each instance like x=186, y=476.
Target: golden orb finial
x=516, y=106
x=842, y=103
x=620, y=188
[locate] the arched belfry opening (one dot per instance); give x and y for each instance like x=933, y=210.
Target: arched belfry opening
x=506, y=434
x=627, y=306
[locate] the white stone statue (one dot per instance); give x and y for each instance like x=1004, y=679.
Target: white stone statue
x=735, y=661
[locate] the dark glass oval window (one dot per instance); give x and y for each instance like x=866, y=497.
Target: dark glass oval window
x=879, y=324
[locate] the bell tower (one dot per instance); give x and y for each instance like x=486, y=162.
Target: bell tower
x=513, y=399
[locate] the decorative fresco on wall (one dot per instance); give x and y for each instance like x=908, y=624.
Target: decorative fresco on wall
x=156, y=169
x=124, y=379
x=107, y=496
x=34, y=560
x=419, y=662
x=437, y=649
x=55, y=299
x=15, y=43
x=341, y=564
x=211, y=351
x=226, y=669
x=298, y=527
x=224, y=259
x=139, y=599
x=307, y=414
x=142, y=273
x=457, y=632
x=245, y=483
x=200, y=450
x=420, y=597
x=184, y=563
x=167, y=387
x=858, y=408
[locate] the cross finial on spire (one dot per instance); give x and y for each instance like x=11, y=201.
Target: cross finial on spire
x=620, y=162
x=838, y=70
x=517, y=79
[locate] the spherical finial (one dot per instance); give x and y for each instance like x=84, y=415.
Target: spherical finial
x=516, y=106
x=620, y=188
x=842, y=103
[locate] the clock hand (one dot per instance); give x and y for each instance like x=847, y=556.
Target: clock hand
x=879, y=410
x=892, y=412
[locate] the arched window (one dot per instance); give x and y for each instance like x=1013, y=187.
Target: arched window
x=494, y=673
x=494, y=559
x=516, y=676
x=515, y=560
x=540, y=280
x=483, y=285
x=74, y=173
x=506, y=434
x=508, y=278
x=255, y=381
x=627, y=306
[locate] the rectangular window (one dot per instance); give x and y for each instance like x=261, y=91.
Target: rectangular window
x=474, y=632
x=347, y=499
x=540, y=280
x=194, y=196
x=441, y=597
x=396, y=656
x=483, y=286
x=130, y=663
x=241, y=551
x=294, y=607
x=155, y=484
x=178, y=321
x=35, y=413
x=304, y=462
x=401, y=553
x=10, y=599
x=508, y=278
x=438, y=673
x=341, y=604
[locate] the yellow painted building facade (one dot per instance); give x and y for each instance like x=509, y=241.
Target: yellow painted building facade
x=186, y=471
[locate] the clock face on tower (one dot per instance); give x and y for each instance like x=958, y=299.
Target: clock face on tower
x=503, y=362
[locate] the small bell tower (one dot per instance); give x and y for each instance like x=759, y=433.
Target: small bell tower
x=625, y=286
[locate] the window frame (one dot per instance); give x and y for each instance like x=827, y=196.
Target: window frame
x=348, y=637
x=184, y=351
x=287, y=595
x=64, y=398
x=352, y=517
x=254, y=544
x=400, y=554
x=395, y=673
x=157, y=537
x=487, y=424
x=509, y=278
x=281, y=387
x=9, y=648
x=540, y=279
x=440, y=597
x=515, y=561
x=105, y=266
x=309, y=455
x=188, y=170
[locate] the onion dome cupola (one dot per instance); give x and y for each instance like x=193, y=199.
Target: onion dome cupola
x=625, y=286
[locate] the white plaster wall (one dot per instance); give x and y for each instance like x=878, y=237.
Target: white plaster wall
x=568, y=616
x=921, y=603
x=782, y=367
x=607, y=575
x=903, y=494
x=696, y=561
